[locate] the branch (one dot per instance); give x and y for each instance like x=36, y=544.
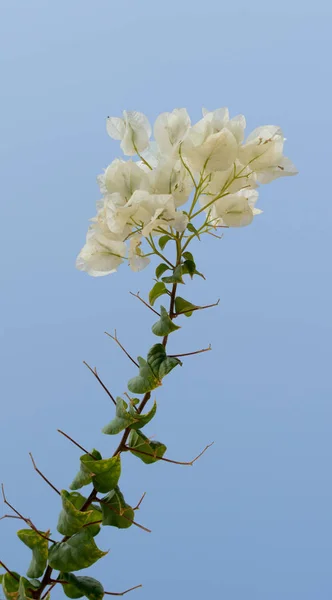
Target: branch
x=48, y=591
x=8, y=571
x=42, y=475
x=146, y=304
x=9, y=517
x=140, y=502
x=191, y=353
x=114, y=337
x=27, y=521
x=123, y=593
x=94, y=372
x=174, y=462
x=183, y=312
x=76, y=443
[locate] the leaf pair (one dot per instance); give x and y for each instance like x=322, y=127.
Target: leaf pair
x=152, y=370
x=103, y=473
x=127, y=418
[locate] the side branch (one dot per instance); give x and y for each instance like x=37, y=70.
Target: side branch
x=76, y=443
x=42, y=475
x=191, y=353
x=145, y=303
x=117, y=512
x=8, y=571
x=115, y=338
x=188, y=310
x=27, y=521
x=168, y=460
x=125, y=592
x=94, y=372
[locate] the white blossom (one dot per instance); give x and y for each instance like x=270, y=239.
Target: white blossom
x=136, y=259
x=101, y=255
x=134, y=131
x=208, y=151
x=170, y=129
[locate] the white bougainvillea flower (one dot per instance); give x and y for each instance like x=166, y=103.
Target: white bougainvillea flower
x=101, y=255
x=136, y=259
x=232, y=180
x=263, y=151
x=207, y=151
x=155, y=211
x=233, y=210
x=219, y=119
x=170, y=176
x=124, y=177
x=118, y=213
x=134, y=131
x=170, y=129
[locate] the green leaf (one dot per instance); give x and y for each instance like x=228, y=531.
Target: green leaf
x=79, y=552
x=193, y=229
x=105, y=472
x=163, y=241
x=132, y=418
x=183, y=306
x=189, y=268
x=161, y=269
x=116, y=512
x=10, y=585
x=188, y=256
x=165, y=324
x=71, y=519
x=83, y=477
x=82, y=586
x=160, y=363
x=159, y=289
x=176, y=277
x=153, y=370
x=94, y=512
x=39, y=547
x=152, y=450
x=25, y=589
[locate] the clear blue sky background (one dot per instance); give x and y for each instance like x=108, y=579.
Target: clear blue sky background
x=253, y=519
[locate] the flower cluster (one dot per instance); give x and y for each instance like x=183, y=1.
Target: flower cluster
x=207, y=169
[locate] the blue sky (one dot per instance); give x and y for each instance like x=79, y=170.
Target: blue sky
x=253, y=519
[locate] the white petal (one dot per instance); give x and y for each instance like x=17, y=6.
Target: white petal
x=170, y=129
x=115, y=127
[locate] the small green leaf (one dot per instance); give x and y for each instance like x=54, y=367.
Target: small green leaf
x=94, y=512
x=71, y=519
x=159, y=289
x=78, y=552
x=160, y=363
x=188, y=256
x=163, y=241
x=165, y=324
x=105, y=472
x=116, y=512
x=183, y=306
x=189, y=268
x=193, y=229
x=149, y=451
x=131, y=418
x=153, y=370
x=25, y=591
x=176, y=277
x=82, y=586
x=83, y=477
x=10, y=585
x=39, y=547
x=161, y=269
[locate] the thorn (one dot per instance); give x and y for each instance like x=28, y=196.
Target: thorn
x=191, y=353
x=94, y=372
x=114, y=337
x=42, y=475
x=76, y=443
x=168, y=460
x=123, y=593
x=146, y=304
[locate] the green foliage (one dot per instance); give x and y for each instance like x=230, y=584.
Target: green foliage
x=25, y=589
x=78, y=552
x=193, y=229
x=147, y=450
x=84, y=477
x=176, y=277
x=116, y=512
x=10, y=585
x=39, y=547
x=159, y=289
x=71, y=519
x=183, y=306
x=163, y=240
x=165, y=325
x=77, y=587
x=152, y=370
x=103, y=473
x=130, y=418
x=161, y=269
